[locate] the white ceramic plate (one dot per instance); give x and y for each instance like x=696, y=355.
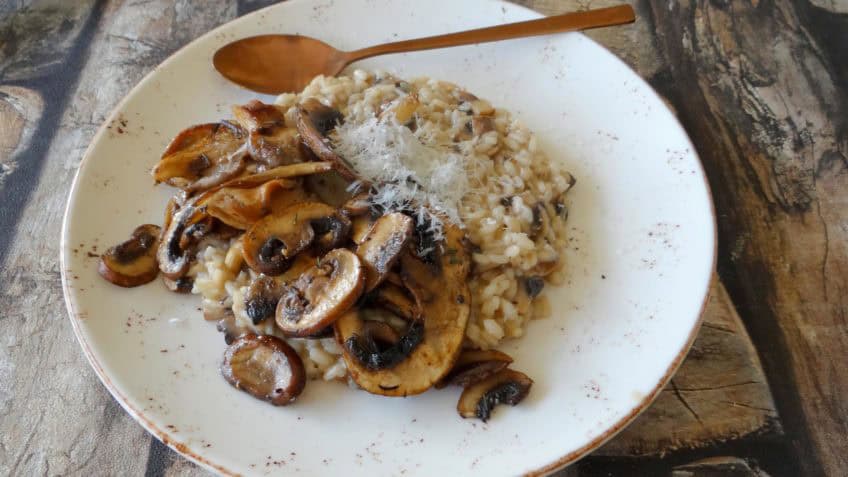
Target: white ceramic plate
x=640, y=261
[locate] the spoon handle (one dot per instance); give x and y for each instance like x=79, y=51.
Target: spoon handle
x=601, y=17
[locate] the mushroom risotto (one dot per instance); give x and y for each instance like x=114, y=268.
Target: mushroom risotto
x=369, y=229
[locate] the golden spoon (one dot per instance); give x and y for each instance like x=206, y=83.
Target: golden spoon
x=275, y=64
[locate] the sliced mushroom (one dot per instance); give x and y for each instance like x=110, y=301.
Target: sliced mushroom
x=260, y=301
x=362, y=346
x=331, y=232
x=282, y=172
x=325, y=332
x=265, y=367
x=381, y=247
x=380, y=333
x=302, y=262
x=275, y=146
x=314, y=120
x=393, y=298
x=255, y=115
x=180, y=285
x=196, y=231
x=221, y=173
x=227, y=323
x=269, y=140
x=322, y=117
x=171, y=208
x=203, y=156
x=504, y=387
x=174, y=253
x=394, y=279
x=444, y=299
x=133, y=262
x=475, y=365
x=241, y=202
x=358, y=205
x=321, y=294
x=242, y=207
x=271, y=243
x=360, y=225
x=331, y=187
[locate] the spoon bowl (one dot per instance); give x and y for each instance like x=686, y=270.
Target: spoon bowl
x=274, y=64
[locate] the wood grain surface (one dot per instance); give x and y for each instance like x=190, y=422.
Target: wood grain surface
x=761, y=87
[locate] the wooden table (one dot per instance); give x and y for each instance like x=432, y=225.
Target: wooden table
x=762, y=89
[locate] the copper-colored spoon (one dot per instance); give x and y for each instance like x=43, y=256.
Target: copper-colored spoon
x=277, y=64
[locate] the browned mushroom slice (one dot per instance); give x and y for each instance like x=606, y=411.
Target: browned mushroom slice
x=331, y=232
x=475, y=365
x=326, y=332
x=369, y=353
x=282, y=172
x=265, y=367
x=321, y=294
x=227, y=323
x=286, y=186
x=394, y=299
x=314, y=120
x=394, y=279
x=360, y=204
x=180, y=285
x=257, y=115
x=242, y=207
x=203, y=156
x=445, y=303
x=241, y=202
x=223, y=172
x=504, y=387
x=171, y=208
x=260, y=301
x=269, y=140
x=196, y=231
x=301, y=263
x=380, y=333
x=330, y=187
x=184, y=230
x=381, y=247
x=133, y=262
x=275, y=146
x=360, y=225
x=273, y=241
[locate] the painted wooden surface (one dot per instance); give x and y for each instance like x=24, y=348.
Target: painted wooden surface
x=760, y=85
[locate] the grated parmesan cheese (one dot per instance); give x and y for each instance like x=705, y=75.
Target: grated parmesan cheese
x=408, y=172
